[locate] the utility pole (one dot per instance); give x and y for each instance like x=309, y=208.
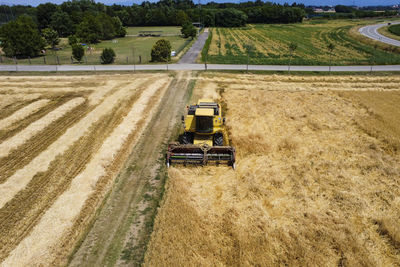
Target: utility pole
x=199, y=7
x=133, y=54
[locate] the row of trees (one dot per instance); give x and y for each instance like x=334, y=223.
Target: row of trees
x=67, y=17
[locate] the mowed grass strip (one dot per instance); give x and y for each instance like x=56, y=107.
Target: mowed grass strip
x=10, y=102
x=23, y=113
x=21, y=177
x=55, y=101
x=35, y=127
x=271, y=45
x=19, y=215
x=83, y=185
x=20, y=157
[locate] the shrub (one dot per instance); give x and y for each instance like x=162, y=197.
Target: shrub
x=161, y=51
x=188, y=30
x=78, y=52
x=107, y=56
x=395, y=29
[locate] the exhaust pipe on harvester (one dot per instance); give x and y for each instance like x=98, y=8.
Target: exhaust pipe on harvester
x=200, y=155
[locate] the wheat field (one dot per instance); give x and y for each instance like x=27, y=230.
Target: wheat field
x=63, y=139
x=317, y=180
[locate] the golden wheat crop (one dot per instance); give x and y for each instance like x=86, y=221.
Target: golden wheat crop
x=313, y=185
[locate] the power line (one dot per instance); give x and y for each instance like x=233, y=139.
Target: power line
x=5, y=12
x=12, y=15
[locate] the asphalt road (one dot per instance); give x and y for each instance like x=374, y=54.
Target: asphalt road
x=195, y=50
x=63, y=68
x=371, y=31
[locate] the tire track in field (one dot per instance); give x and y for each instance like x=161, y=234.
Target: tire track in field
x=20, y=215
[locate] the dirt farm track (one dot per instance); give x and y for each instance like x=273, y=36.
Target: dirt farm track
x=82, y=171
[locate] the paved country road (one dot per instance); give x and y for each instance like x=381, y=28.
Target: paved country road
x=63, y=68
x=195, y=50
x=371, y=31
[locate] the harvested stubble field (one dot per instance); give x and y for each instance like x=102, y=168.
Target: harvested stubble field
x=317, y=179
x=271, y=44
x=62, y=141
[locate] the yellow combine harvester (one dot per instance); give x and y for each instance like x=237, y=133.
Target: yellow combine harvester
x=204, y=139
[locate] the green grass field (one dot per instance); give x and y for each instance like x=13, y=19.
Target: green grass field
x=129, y=50
x=271, y=42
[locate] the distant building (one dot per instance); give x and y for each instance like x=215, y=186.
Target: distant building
x=320, y=10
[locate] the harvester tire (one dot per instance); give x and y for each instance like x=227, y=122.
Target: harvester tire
x=218, y=139
x=187, y=138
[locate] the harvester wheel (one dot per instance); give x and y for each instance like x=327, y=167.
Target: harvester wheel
x=187, y=138
x=218, y=139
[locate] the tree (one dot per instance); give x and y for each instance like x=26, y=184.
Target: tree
x=181, y=17
x=230, y=17
x=51, y=37
x=78, y=52
x=161, y=51
x=72, y=40
x=62, y=23
x=107, y=56
x=107, y=28
x=343, y=9
x=44, y=13
x=89, y=30
x=120, y=30
x=331, y=47
x=292, y=48
x=188, y=30
x=21, y=38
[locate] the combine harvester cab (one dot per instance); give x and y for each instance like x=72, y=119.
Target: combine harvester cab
x=205, y=140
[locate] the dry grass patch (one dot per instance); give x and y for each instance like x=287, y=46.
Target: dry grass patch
x=311, y=187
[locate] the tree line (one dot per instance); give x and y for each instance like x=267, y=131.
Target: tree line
x=66, y=17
